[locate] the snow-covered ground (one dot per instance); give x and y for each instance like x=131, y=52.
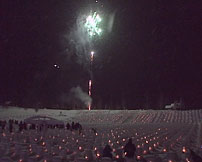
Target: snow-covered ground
x=156, y=134
x=107, y=116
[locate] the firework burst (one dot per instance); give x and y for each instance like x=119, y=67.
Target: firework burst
x=92, y=24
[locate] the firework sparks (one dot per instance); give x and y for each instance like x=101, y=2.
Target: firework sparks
x=90, y=81
x=92, y=56
x=89, y=85
x=89, y=92
x=92, y=24
x=89, y=106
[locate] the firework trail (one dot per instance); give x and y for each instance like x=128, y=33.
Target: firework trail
x=92, y=27
x=91, y=76
x=82, y=37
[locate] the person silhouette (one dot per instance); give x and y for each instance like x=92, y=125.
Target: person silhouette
x=130, y=149
x=107, y=151
x=195, y=157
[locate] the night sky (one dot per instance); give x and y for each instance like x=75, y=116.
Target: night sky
x=152, y=56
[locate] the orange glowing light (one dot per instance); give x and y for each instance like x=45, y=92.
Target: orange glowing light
x=37, y=156
x=144, y=152
x=184, y=149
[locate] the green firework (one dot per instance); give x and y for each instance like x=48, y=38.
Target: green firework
x=92, y=24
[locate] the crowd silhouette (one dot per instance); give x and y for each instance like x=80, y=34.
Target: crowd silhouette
x=25, y=126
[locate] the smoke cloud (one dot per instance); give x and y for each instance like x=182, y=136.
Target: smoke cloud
x=80, y=41
x=111, y=22
x=77, y=97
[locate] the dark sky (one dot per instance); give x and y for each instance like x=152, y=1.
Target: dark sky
x=152, y=57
